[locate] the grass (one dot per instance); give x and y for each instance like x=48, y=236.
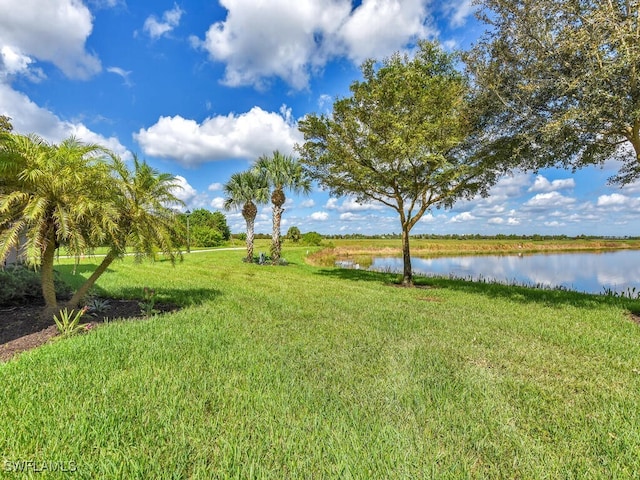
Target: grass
x=304, y=372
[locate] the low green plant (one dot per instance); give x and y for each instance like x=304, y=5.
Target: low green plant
x=312, y=238
x=20, y=285
x=148, y=303
x=68, y=322
x=630, y=293
x=97, y=305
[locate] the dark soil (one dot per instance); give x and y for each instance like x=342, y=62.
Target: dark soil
x=22, y=327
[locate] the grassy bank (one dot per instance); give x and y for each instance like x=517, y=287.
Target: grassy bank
x=304, y=372
x=363, y=248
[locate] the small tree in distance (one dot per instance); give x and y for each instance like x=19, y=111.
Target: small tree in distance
x=396, y=140
x=293, y=234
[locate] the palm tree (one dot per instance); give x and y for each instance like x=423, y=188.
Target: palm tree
x=54, y=195
x=244, y=190
x=146, y=221
x=281, y=172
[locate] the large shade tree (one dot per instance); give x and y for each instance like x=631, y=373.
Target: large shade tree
x=282, y=172
x=55, y=195
x=558, y=83
x=243, y=191
x=397, y=140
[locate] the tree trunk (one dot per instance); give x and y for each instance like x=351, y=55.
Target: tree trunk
x=275, y=235
x=250, y=235
x=47, y=276
x=84, y=288
x=407, y=275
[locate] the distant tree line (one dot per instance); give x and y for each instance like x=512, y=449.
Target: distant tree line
x=475, y=236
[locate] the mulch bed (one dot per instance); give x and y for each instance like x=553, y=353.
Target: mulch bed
x=22, y=328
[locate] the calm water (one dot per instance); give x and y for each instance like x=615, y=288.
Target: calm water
x=583, y=272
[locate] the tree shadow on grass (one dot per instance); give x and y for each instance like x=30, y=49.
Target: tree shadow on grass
x=516, y=293
x=177, y=296
x=73, y=275
x=182, y=297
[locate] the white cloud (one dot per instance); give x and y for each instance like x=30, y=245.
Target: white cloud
x=380, y=27
x=633, y=187
x=462, y=217
x=511, y=221
x=349, y=204
x=460, y=11
x=218, y=203
x=348, y=216
x=321, y=216
x=428, y=218
x=541, y=184
x=244, y=136
x=186, y=192
x=54, y=31
x=325, y=101
x=618, y=202
x=170, y=20
x=554, y=224
x=509, y=186
x=292, y=40
x=27, y=117
x=308, y=203
x=215, y=187
x=122, y=73
x=14, y=63
x=544, y=201
x=613, y=199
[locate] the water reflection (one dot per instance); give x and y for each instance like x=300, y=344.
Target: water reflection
x=585, y=272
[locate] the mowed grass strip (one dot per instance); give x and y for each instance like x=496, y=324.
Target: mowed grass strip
x=300, y=372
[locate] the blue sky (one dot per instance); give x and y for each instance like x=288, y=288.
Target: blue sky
x=200, y=89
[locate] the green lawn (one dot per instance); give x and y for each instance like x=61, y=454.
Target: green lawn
x=303, y=372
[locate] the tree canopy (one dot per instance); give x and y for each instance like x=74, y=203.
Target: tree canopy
x=396, y=140
x=5, y=124
x=208, y=228
x=294, y=234
x=558, y=83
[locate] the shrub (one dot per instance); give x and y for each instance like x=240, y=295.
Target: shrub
x=293, y=234
x=202, y=236
x=312, y=238
x=20, y=285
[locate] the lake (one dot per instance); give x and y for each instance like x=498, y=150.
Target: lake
x=599, y=272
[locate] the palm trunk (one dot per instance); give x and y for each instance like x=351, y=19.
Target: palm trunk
x=407, y=275
x=84, y=288
x=276, y=247
x=250, y=235
x=47, y=276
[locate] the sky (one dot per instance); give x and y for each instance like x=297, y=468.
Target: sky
x=201, y=89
